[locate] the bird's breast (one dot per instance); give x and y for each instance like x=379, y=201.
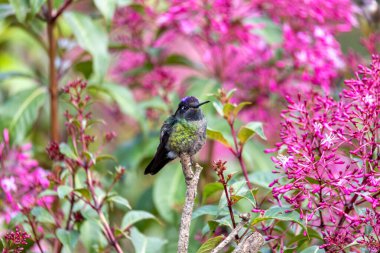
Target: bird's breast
x=187, y=136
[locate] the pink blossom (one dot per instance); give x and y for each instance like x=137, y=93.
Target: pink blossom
x=21, y=179
x=224, y=39
x=333, y=146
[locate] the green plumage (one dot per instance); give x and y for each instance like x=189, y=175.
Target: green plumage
x=183, y=136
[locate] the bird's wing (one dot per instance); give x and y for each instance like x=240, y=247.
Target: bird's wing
x=161, y=157
x=166, y=129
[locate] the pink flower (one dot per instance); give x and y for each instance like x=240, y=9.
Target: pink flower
x=8, y=184
x=227, y=41
x=21, y=179
x=332, y=146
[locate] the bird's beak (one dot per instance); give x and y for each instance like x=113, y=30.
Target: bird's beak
x=205, y=102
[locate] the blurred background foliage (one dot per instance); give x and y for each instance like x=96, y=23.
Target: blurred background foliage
x=140, y=58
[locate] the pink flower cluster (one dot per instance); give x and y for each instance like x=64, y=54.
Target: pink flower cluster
x=21, y=179
x=141, y=63
x=232, y=42
x=330, y=172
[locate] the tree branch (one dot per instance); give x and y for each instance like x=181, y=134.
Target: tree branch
x=192, y=179
x=244, y=220
x=250, y=244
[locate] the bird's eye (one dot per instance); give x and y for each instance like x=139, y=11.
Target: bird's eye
x=183, y=108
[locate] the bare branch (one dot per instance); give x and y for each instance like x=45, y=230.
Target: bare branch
x=192, y=179
x=250, y=244
x=244, y=220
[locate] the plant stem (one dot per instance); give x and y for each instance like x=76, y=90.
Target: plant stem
x=244, y=169
x=58, y=247
x=64, y=6
x=53, y=82
x=98, y=208
x=238, y=152
x=229, y=204
x=34, y=231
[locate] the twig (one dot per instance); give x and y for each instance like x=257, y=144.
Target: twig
x=250, y=244
x=191, y=191
x=244, y=220
x=106, y=227
x=64, y=6
x=34, y=231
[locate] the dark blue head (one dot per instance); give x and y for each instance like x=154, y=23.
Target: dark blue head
x=189, y=109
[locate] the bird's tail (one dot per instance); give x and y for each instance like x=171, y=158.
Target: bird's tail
x=157, y=163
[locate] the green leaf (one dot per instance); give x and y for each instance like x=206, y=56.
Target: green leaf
x=249, y=130
x=217, y=136
x=107, y=8
x=313, y=249
x=248, y=195
x=279, y=213
x=210, y=189
x=177, y=59
x=5, y=11
x=122, y=96
x=19, y=218
x=91, y=235
x=84, y=192
x=239, y=107
x=218, y=107
x=22, y=111
x=90, y=157
x=224, y=221
x=133, y=217
x=240, y=188
x=93, y=38
x=21, y=8
x=122, y=3
x=300, y=237
x=133, y=152
x=263, y=178
x=42, y=215
x=105, y=157
x=227, y=110
x=146, y=68
x=69, y=238
x=208, y=210
x=65, y=149
x=271, y=32
x=120, y=200
x=47, y=192
x=210, y=244
x=36, y=5
x=169, y=191
x=63, y=191
x=144, y=244
x=230, y=93
x=11, y=74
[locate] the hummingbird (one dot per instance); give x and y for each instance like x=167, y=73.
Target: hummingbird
x=182, y=132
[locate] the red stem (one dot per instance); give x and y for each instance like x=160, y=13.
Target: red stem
x=107, y=229
x=238, y=153
x=53, y=82
x=229, y=204
x=34, y=231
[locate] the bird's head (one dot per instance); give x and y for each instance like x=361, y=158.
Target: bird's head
x=189, y=109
